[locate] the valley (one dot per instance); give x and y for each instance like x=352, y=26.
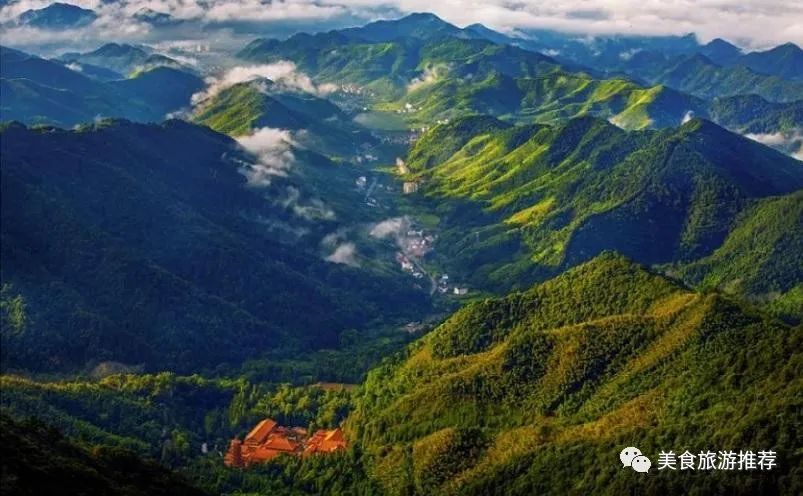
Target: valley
x=402, y=258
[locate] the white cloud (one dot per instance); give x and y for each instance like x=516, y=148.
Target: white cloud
x=789, y=142
x=395, y=226
x=689, y=115
x=753, y=23
x=313, y=210
x=430, y=75
x=770, y=139
x=628, y=54
x=282, y=72
x=272, y=149
x=346, y=254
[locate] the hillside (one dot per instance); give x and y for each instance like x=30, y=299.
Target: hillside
x=520, y=203
x=785, y=61
x=537, y=392
x=698, y=75
x=753, y=114
x=109, y=229
x=752, y=258
x=383, y=70
x=123, y=59
x=57, y=16
x=40, y=91
x=422, y=70
x=552, y=98
x=245, y=107
x=39, y=460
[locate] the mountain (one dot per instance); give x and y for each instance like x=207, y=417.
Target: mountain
x=123, y=59
x=155, y=18
x=57, y=16
x=753, y=114
x=39, y=460
x=420, y=70
x=600, y=50
x=416, y=26
x=720, y=51
x=108, y=229
x=245, y=107
x=521, y=203
x=751, y=259
x=383, y=71
x=538, y=392
x=552, y=98
x=161, y=89
x=37, y=90
x=785, y=61
x=701, y=77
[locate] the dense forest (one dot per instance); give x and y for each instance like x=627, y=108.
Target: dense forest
x=489, y=260
x=538, y=391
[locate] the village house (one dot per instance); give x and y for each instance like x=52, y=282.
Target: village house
x=410, y=187
x=268, y=440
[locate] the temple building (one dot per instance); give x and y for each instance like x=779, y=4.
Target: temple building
x=268, y=440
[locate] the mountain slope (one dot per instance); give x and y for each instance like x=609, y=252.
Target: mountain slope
x=109, y=229
x=518, y=203
x=57, y=16
x=552, y=98
x=754, y=258
x=36, y=90
x=537, y=392
x=123, y=59
x=416, y=26
x=699, y=76
x=160, y=90
x=753, y=114
x=320, y=125
x=242, y=108
x=39, y=460
x=384, y=70
x=785, y=61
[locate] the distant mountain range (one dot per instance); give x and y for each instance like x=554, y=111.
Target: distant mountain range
x=245, y=107
x=427, y=70
x=36, y=90
x=57, y=16
x=123, y=59
x=520, y=202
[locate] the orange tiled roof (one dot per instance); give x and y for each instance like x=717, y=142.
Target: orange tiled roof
x=262, y=454
x=259, y=433
x=280, y=443
x=335, y=435
x=268, y=440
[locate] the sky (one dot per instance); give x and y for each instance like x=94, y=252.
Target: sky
x=753, y=24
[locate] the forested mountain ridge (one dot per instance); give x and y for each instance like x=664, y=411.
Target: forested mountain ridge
x=428, y=71
x=384, y=70
x=533, y=200
x=39, y=460
x=108, y=229
x=539, y=391
x=320, y=125
x=492, y=259
x=37, y=90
